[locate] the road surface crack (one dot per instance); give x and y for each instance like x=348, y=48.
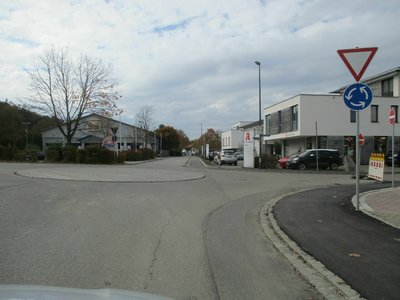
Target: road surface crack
x=150, y=273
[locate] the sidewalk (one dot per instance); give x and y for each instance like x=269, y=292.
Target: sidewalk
x=383, y=205
x=354, y=258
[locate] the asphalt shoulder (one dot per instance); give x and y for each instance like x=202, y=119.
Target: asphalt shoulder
x=361, y=250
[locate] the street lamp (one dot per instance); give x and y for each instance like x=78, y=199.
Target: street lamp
x=142, y=127
x=259, y=108
x=26, y=134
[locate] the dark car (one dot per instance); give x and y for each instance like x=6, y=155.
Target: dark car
x=327, y=158
x=388, y=158
x=211, y=154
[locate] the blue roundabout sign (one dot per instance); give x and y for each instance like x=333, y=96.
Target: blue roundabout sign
x=357, y=96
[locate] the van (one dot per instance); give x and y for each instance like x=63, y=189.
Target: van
x=327, y=158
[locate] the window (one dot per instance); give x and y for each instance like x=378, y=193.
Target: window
x=374, y=113
x=294, y=111
x=352, y=116
x=268, y=124
x=396, y=109
x=387, y=87
x=279, y=121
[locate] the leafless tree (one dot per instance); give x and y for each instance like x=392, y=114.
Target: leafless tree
x=67, y=90
x=145, y=120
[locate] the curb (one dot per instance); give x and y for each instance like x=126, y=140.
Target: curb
x=328, y=284
x=368, y=210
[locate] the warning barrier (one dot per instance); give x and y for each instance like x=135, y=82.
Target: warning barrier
x=376, y=166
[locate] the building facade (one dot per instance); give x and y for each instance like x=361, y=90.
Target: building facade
x=94, y=129
x=309, y=121
x=233, y=139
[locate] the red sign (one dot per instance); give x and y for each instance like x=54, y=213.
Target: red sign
x=357, y=60
x=360, y=139
x=392, y=116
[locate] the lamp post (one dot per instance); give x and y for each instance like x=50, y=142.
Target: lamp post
x=141, y=124
x=259, y=109
x=26, y=134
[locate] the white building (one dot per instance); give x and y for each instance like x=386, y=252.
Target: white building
x=293, y=124
x=93, y=129
x=233, y=138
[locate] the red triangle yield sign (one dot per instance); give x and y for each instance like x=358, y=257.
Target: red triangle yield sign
x=357, y=60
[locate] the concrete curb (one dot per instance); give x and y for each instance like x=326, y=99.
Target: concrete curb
x=368, y=210
x=328, y=284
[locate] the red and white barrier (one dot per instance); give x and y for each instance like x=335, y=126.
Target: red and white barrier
x=376, y=166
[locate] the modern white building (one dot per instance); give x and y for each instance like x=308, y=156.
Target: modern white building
x=297, y=123
x=93, y=129
x=233, y=138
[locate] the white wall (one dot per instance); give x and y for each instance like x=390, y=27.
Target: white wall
x=333, y=116
x=396, y=86
x=232, y=139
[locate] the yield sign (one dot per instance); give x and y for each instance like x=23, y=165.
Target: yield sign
x=357, y=60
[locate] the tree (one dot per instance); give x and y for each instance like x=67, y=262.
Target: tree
x=18, y=124
x=211, y=137
x=170, y=138
x=144, y=118
x=183, y=139
x=66, y=89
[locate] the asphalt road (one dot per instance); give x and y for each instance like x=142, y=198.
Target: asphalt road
x=166, y=235
x=359, y=249
x=244, y=262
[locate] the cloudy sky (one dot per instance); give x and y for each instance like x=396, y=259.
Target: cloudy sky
x=193, y=61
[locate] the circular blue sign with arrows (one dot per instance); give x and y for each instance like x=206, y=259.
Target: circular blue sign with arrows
x=357, y=96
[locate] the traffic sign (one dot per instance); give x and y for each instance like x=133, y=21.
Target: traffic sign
x=357, y=60
x=108, y=142
x=357, y=96
x=392, y=116
x=361, y=139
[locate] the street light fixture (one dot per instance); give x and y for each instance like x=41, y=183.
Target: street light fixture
x=259, y=109
x=26, y=134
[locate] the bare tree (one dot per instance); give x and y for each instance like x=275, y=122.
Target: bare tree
x=145, y=120
x=67, y=90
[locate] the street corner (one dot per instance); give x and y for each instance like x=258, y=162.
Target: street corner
x=382, y=204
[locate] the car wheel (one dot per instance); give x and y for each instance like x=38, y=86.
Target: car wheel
x=235, y=163
x=334, y=166
x=302, y=166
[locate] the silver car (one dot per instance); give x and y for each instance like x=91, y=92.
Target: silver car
x=228, y=157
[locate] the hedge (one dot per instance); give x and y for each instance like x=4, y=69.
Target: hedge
x=142, y=154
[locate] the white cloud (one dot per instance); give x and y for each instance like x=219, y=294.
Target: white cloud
x=194, y=60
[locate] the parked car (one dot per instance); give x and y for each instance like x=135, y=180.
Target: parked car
x=327, y=158
x=284, y=160
x=226, y=157
x=388, y=158
x=211, y=154
x=239, y=155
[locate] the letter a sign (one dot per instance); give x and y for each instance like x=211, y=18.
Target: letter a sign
x=357, y=60
x=248, y=136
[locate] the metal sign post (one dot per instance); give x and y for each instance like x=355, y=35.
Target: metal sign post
x=316, y=144
x=392, y=120
x=393, y=155
x=358, y=160
x=357, y=96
